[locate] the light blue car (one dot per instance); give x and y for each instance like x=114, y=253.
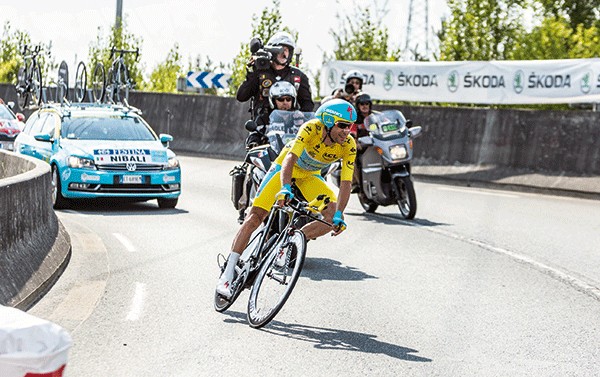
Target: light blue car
x=102, y=151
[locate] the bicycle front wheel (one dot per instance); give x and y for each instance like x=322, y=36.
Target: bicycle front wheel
x=276, y=278
x=22, y=93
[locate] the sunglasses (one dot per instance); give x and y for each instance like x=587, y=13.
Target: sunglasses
x=284, y=99
x=343, y=125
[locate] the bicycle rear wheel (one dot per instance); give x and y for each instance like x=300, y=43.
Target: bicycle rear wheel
x=273, y=284
x=80, y=82
x=121, y=85
x=98, y=83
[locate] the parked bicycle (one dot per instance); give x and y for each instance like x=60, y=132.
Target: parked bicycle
x=29, y=79
x=116, y=85
x=272, y=261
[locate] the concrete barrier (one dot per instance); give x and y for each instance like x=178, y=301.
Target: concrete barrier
x=34, y=246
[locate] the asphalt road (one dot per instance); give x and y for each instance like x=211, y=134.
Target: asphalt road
x=481, y=283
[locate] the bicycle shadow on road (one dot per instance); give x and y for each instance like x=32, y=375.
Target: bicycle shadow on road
x=394, y=219
x=319, y=269
x=334, y=339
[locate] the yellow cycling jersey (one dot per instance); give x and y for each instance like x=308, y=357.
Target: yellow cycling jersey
x=314, y=155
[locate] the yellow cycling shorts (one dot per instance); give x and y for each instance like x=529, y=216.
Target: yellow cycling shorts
x=310, y=185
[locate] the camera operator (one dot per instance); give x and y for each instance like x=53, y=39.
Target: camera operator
x=268, y=65
x=352, y=88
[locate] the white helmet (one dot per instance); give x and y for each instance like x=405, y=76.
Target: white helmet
x=282, y=38
x=282, y=89
x=355, y=74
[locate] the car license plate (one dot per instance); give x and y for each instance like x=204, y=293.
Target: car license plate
x=131, y=179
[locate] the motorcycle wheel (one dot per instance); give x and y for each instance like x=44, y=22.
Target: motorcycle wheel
x=366, y=203
x=406, y=197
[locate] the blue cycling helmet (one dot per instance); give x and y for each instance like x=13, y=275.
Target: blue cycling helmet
x=336, y=110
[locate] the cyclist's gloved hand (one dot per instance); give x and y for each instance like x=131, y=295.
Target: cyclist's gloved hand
x=338, y=223
x=285, y=193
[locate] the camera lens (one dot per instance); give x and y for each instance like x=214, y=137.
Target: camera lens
x=349, y=88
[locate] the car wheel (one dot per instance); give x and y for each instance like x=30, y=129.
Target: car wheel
x=167, y=202
x=58, y=200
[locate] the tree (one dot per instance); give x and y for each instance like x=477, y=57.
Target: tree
x=119, y=38
x=10, y=52
x=362, y=36
x=164, y=77
x=575, y=12
x=263, y=27
x=481, y=29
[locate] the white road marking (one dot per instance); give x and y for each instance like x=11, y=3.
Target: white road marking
x=478, y=191
x=138, y=302
x=80, y=301
x=564, y=277
x=125, y=241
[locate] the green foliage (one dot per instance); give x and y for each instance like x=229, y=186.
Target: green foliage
x=481, y=29
x=575, y=12
x=10, y=52
x=164, y=77
x=362, y=36
x=263, y=27
x=119, y=38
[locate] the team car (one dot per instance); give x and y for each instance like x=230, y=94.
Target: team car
x=10, y=125
x=101, y=151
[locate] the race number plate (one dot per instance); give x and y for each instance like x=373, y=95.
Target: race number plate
x=131, y=179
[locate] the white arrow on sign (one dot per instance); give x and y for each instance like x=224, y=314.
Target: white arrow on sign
x=205, y=80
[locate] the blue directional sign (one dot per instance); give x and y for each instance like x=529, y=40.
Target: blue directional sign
x=205, y=80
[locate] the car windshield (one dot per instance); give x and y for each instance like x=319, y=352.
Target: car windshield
x=106, y=128
x=5, y=113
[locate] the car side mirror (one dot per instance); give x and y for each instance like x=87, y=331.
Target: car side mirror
x=20, y=117
x=415, y=131
x=165, y=139
x=44, y=137
x=365, y=141
x=251, y=125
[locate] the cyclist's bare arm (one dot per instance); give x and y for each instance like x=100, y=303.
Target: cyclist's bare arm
x=287, y=168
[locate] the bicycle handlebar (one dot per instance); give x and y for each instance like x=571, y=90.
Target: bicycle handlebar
x=120, y=51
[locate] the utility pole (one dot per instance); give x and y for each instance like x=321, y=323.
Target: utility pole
x=119, y=17
x=418, y=13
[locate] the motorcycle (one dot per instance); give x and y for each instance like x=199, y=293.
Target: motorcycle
x=247, y=177
x=383, y=161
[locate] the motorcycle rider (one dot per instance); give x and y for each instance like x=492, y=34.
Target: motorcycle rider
x=259, y=80
x=351, y=89
x=282, y=96
x=364, y=106
x=319, y=143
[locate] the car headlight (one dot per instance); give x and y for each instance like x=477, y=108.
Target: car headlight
x=81, y=163
x=173, y=163
x=398, y=152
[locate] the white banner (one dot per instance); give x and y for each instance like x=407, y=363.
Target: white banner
x=495, y=82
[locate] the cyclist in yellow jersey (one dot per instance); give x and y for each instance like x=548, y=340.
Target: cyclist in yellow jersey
x=319, y=143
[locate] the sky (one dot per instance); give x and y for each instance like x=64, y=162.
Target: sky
x=213, y=28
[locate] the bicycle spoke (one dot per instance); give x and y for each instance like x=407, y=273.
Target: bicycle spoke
x=274, y=283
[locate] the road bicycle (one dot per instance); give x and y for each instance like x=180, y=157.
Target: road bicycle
x=29, y=79
x=272, y=261
x=120, y=83
x=115, y=86
x=80, y=87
